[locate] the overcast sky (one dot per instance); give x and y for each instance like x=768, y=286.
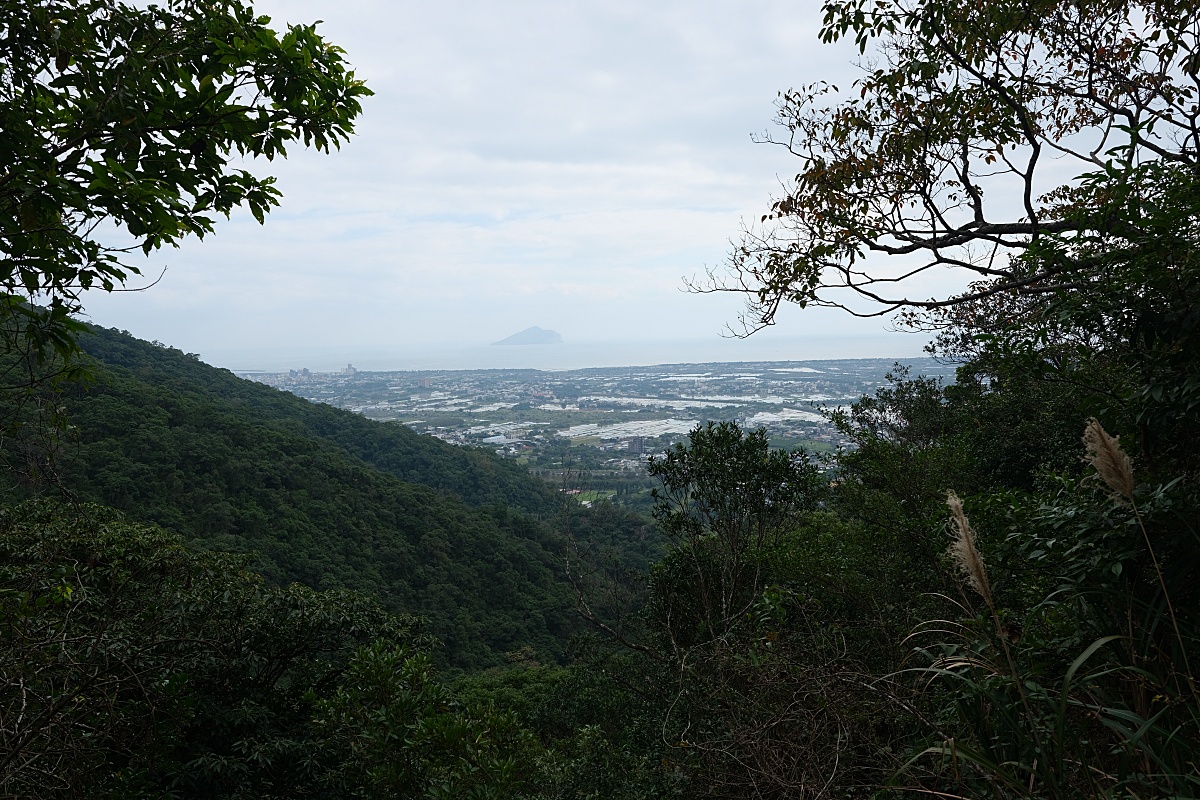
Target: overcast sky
x=561, y=164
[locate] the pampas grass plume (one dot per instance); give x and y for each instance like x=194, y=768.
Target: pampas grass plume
x=964, y=552
x=1105, y=454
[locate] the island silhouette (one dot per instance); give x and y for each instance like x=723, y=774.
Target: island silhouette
x=534, y=335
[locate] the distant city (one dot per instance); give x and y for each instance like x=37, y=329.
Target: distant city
x=594, y=428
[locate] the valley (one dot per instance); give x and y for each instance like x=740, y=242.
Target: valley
x=591, y=430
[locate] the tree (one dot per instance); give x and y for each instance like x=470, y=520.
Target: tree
x=726, y=499
x=398, y=732
x=1120, y=342
x=130, y=666
x=949, y=151
x=749, y=619
x=121, y=126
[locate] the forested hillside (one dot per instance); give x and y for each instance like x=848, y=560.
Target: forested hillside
x=324, y=497
x=994, y=592
x=476, y=477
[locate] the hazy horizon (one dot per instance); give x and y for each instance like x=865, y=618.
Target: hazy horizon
x=564, y=356
x=526, y=163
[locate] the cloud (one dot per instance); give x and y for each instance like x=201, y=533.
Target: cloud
x=563, y=164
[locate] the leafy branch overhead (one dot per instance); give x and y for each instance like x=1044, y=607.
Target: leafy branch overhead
x=976, y=132
x=122, y=127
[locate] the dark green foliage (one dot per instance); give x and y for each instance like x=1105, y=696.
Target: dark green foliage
x=726, y=498
x=1093, y=687
x=599, y=722
x=910, y=446
x=173, y=378
x=132, y=667
x=130, y=663
x=1080, y=677
x=623, y=539
x=758, y=628
x=236, y=466
x=396, y=732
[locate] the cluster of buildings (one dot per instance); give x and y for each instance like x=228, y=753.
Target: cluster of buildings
x=606, y=417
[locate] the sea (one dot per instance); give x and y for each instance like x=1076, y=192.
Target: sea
x=567, y=355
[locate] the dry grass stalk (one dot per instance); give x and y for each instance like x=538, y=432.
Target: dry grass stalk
x=964, y=552
x=1105, y=454
x=1116, y=470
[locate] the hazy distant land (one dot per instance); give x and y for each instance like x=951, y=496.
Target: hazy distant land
x=534, y=335
x=571, y=354
x=607, y=419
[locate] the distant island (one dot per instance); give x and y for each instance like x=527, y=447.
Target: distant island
x=534, y=335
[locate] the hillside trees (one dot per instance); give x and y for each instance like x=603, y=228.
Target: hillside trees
x=725, y=500
x=132, y=667
x=755, y=640
x=324, y=497
x=1048, y=152
x=130, y=663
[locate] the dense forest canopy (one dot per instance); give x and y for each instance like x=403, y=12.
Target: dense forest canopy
x=321, y=496
x=994, y=593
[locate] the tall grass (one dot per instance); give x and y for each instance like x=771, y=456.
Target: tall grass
x=1026, y=715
